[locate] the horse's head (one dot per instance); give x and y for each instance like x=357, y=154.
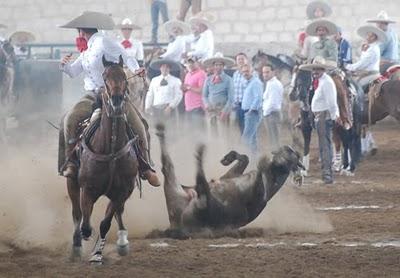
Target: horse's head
x=288, y=158
x=114, y=97
x=301, y=82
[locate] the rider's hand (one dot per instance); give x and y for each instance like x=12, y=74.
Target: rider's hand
x=66, y=59
x=141, y=72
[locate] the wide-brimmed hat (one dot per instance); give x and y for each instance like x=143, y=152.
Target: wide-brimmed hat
x=382, y=17
x=91, y=20
x=3, y=26
x=174, y=23
x=22, y=37
x=364, y=30
x=311, y=29
x=174, y=66
x=319, y=62
x=203, y=18
x=126, y=23
x=318, y=4
x=219, y=57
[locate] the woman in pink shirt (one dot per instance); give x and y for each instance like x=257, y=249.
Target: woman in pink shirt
x=192, y=89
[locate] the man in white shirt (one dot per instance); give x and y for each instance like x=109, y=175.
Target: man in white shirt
x=177, y=30
x=325, y=108
x=165, y=91
x=202, y=39
x=90, y=63
x=272, y=105
x=367, y=66
x=133, y=47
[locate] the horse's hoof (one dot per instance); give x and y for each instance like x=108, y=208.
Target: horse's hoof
x=123, y=250
x=86, y=233
x=76, y=253
x=96, y=259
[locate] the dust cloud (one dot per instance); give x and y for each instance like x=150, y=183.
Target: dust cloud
x=35, y=210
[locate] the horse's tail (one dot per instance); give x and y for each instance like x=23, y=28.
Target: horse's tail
x=202, y=186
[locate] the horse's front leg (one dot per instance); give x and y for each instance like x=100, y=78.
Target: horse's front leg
x=74, y=194
x=87, y=203
x=122, y=241
x=337, y=158
x=97, y=254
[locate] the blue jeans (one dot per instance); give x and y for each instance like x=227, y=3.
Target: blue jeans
x=156, y=8
x=324, y=129
x=240, y=117
x=272, y=124
x=251, y=123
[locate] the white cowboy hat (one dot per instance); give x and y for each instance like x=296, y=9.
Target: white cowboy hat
x=174, y=66
x=311, y=29
x=219, y=57
x=382, y=17
x=318, y=4
x=22, y=37
x=319, y=62
x=91, y=20
x=203, y=18
x=364, y=30
x=126, y=23
x=174, y=23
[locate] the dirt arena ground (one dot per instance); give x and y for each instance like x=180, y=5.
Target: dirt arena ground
x=348, y=229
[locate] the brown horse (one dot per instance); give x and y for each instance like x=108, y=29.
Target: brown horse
x=108, y=166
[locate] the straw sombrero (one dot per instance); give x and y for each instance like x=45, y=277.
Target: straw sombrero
x=219, y=57
x=203, y=18
x=311, y=29
x=174, y=66
x=318, y=4
x=22, y=37
x=364, y=30
x=127, y=24
x=382, y=17
x=319, y=62
x=91, y=20
x=171, y=24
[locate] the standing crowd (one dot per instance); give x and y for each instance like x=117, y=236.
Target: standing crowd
x=191, y=79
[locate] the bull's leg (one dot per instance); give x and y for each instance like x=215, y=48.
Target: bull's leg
x=74, y=195
x=238, y=168
x=97, y=254
x=87, y=203
x=122, y=242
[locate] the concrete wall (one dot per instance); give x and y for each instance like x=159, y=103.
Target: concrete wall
x=259, y=21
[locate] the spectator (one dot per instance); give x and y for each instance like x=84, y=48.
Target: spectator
x=184, y=8
x=344, y=49
x=192, y=88
x=177, y=47
x=157, y=7
x=251, y=105
x=133, y=47
x=239, y=83
x=218, y=90
x=165, y=92
x=326, y=111
x=272, y=105
x=202, y=39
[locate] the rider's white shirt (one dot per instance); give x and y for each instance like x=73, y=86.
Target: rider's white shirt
x=136, y=50
x=90, y=61
x=273, y=96
x=325, y=97
x=170, y=94
x=202, y=46
x=175, y=49
x=369, y=60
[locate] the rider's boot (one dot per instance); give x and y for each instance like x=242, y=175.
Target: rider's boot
x=147, y=172
x=71, y=169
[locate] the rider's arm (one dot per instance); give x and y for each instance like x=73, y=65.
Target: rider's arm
x=365, y=60
x=73, y=69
